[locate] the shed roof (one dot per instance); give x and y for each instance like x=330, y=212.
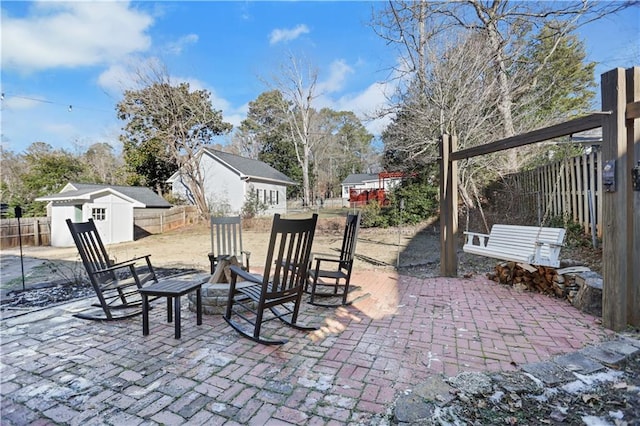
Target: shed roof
x=141, y=195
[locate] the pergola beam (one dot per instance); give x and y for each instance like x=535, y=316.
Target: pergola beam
x=588, y=122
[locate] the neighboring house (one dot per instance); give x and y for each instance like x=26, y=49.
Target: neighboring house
x=368, y=181
x=229, y=179
x=111, y=207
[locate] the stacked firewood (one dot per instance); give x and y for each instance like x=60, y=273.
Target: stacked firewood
x=543, y=279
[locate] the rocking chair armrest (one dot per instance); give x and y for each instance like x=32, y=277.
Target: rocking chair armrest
x=122, y=265
x=325, y=256
x=246, y=253
x=132, y=261
x=244, y=275
x=327, y=259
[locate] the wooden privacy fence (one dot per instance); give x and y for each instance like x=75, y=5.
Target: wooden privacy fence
x=36, y=231
x=570, y=188
x=146, y=223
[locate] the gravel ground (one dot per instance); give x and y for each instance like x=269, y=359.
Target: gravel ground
x=609, y=397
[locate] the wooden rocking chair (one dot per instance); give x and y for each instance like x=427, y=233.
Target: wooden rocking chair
x=116, y=284
x=282, y=284
x=226, y=241
x=337, y=274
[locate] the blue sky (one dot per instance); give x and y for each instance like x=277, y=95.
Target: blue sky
x=57, y=55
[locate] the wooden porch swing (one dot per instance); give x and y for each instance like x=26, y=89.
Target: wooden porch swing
x=534, y=245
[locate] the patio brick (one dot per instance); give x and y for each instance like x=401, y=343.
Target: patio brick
x=167, y=418
x=350, y=370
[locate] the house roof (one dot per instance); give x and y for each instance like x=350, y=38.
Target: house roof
x=250, y=168
x=141, y=196
x=359, y=178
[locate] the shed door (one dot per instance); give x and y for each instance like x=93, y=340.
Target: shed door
x=100, y=213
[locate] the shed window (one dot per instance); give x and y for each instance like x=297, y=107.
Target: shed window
x=99, y=213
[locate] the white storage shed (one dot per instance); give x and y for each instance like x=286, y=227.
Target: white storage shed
x=110, y=206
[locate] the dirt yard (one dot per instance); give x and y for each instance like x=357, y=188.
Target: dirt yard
x=414, y=250
x=188, y=248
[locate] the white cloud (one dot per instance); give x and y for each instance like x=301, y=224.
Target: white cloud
x=72, y=34
x=279, y=35
x=22, y=102
x=116, y=79
x=178, y=46
x=338, y=72
x=366, y=105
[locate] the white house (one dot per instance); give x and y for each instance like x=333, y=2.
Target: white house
x=111, y=207
x=229, y=179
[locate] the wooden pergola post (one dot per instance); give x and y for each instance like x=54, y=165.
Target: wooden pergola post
x=448, y=207
x=619, y=293
x=633, y=147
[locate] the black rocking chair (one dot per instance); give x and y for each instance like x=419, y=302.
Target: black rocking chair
x=116, y=284
x=282, y=284
x=336, y=276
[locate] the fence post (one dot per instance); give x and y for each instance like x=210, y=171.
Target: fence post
x=36, y=232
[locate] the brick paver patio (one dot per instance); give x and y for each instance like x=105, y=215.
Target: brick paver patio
x=57, y=369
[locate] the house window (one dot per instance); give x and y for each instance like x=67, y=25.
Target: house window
x=99, y=213
x=273, y=198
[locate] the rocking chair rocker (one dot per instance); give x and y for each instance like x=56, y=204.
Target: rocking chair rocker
x=282, y=284
x=116, y=284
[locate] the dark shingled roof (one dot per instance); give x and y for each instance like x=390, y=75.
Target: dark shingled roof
x=141, y=194
x=359, y=178
x=250, y=168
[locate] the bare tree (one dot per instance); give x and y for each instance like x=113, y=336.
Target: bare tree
x=505, y=28
x=297, y=81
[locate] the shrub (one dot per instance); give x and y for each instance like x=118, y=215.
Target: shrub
x=420, y=203
x=252, y=206
x=373, y=216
